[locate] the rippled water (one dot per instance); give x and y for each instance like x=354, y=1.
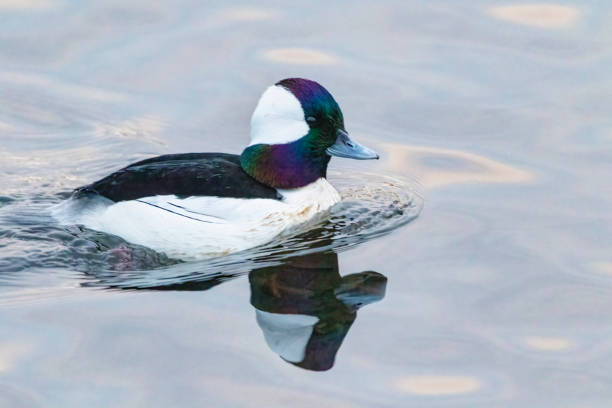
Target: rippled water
x=469, y=267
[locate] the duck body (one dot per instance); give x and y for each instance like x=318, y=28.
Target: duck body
x=200, y=205
x=194, y=205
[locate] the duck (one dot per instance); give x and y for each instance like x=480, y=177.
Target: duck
x=193, y=206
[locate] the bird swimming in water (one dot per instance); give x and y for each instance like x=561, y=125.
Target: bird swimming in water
x=201, y=205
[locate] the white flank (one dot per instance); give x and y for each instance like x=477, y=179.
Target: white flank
x=278, y=118
x=200, y=227
x=286, y=334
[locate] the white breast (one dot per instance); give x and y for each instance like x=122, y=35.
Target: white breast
x=320, y=194
x=200, y=227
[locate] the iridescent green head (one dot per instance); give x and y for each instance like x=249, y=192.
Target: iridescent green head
x=295, y=129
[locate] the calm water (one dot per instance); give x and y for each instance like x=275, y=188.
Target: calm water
x=493, y=117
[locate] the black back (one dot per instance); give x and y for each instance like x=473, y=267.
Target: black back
x=184, y=175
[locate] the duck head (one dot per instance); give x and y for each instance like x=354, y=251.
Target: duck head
x=295, y=129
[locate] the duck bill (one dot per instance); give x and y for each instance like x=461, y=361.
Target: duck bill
x=345, y=147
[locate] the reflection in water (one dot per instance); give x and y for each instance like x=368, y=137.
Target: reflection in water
x=436, y=167
x=438, y=385
x=243, y=14
x=603, y=267
x=27, y=5
x=10, y=353
x=143, y=129
x=538, y=15
x=42, y=83
x=548, y=343
x=305, y=308
x=303, y=305
x=302, y=56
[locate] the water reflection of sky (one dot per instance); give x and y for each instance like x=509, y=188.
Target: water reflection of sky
x=500, y=110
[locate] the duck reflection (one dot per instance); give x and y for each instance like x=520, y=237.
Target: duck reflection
x=305, y=308
x=303, y=305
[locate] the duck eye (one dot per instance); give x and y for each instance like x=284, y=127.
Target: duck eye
x=311, y=119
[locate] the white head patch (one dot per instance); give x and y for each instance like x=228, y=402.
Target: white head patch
x=278, y=118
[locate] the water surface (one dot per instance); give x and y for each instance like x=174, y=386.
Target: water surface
x=493, y=117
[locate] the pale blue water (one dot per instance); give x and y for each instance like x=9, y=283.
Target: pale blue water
x=497, y=295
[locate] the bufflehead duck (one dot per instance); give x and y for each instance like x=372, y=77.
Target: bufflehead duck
x=200, y=205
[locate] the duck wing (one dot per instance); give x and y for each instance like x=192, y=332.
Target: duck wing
x=182, y=175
